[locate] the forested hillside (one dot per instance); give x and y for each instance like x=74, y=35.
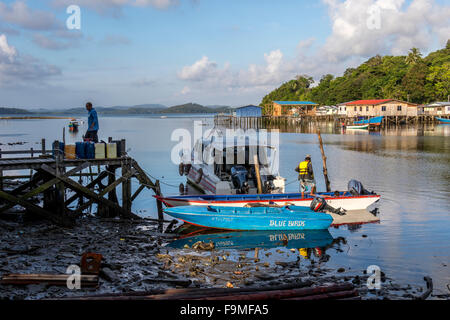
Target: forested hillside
x=412, y=77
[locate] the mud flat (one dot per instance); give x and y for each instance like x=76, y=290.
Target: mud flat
x=136, y=259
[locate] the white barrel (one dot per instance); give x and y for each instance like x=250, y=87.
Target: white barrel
x=99, y=151
x=111, y=150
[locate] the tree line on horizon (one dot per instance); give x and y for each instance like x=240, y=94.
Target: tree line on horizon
x=409, y=78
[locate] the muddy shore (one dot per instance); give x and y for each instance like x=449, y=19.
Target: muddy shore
x=136, y=258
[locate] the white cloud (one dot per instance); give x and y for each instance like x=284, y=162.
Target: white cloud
x=7, y=52
x=115, y=6
x=17, y=70
x=399, y=30
x=115, y=40
x=185, y=90
x=200, y=70
x=21, y=15
x=160, y=4
x=350, y=43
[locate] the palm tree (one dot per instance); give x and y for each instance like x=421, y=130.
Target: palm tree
x=414, y=56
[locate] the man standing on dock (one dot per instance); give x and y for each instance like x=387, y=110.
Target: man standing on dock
x=306, y=176
x=92, y=130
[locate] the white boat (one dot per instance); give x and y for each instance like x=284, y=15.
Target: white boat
x=215, y=173
x=364, y=126
x=343, y=199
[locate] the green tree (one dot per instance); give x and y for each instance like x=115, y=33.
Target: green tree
x=439, y=77
x=414, y=56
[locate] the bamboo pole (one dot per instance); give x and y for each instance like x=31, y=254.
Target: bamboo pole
x=258, y=176
x=324, y=159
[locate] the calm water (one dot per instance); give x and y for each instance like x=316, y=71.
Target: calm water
x=409, y=167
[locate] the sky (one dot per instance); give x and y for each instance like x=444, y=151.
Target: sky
x=212, y=52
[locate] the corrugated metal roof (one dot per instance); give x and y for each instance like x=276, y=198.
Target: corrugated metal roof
x=439, y=104
x=249, y=106
x=364, y=102
x=294, y=103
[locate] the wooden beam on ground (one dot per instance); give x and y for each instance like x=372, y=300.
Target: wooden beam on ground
x=51, y=279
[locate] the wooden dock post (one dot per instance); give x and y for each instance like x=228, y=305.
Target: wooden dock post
x=43, y=147
x=159, y=206
x=1, y=173
x=324, y=159
x=126, y=186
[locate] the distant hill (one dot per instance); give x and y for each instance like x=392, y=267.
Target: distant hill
x=194, y=108
x=143, y=109
x=14, y=111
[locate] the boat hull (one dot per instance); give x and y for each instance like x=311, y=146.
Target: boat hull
x=264, y=218
x=345, y=201
x=443, y=120
x=376, y=121
x=365, y=126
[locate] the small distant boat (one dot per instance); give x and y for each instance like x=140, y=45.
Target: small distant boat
x=73, y=125
x=443, y=120
x=376, y=121
x=163, y=117
x=364, y=126
x=257, y=218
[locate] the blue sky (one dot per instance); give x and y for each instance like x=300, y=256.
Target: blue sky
x=131, y=52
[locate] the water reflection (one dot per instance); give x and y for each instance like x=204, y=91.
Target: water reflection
x=256, y=239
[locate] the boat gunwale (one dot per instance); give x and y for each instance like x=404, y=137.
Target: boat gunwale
x=197, y=200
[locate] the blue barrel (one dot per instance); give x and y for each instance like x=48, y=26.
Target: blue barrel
x=80, y=150
x=90, y=150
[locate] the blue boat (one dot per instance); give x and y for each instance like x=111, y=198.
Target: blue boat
x=256, y=218
x=376, y=121
x=259, y=239
x=443, y=120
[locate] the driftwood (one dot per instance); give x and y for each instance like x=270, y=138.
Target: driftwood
x=284, y=294
x=429, y=290
x=300, y=291
x=50, y=279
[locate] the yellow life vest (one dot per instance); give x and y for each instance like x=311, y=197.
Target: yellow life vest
x=303, y=167
x=303, y=252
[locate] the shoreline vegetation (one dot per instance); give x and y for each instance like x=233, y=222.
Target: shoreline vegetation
x=411, y=78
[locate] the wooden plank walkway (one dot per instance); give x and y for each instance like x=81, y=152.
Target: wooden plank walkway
x=36, y=163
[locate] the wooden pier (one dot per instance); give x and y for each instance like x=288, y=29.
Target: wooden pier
x=55, y=188
x=229, y=121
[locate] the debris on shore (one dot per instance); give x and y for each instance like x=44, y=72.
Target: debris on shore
x=136, y=259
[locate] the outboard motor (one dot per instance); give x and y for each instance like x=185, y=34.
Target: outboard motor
x=356, y=188
x=268, y=186
x=319, y=204
x=239, y=178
